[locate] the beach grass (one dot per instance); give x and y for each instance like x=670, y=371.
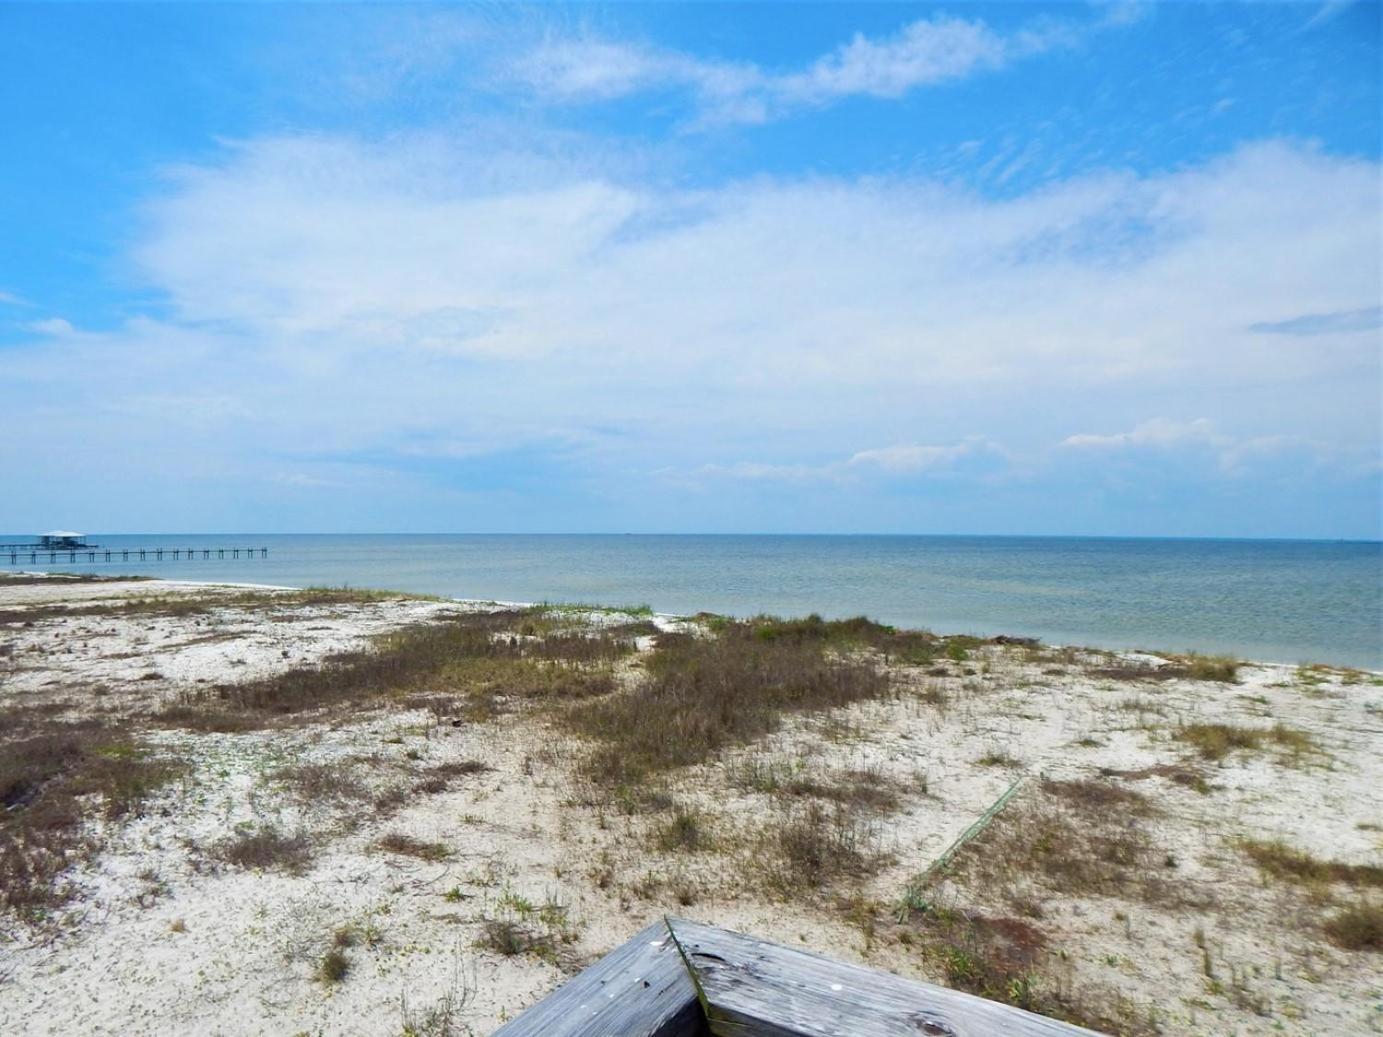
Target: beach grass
x=703, y=694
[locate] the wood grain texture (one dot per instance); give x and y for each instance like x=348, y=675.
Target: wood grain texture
x=756, y=989
x=640, y=989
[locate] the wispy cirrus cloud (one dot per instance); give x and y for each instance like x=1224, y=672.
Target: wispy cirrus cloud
x=1328, y=11
x=588, y=68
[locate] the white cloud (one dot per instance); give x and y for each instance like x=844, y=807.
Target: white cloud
x=925, y=52
x=585, y=68
x=898, y=461
x=1157, y=432
x=417, y=305
x=1232, y=454
x=334, y=246
x=53, y=326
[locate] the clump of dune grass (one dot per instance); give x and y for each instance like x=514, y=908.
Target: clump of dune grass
x=1279, y=860
x=478, y=653
x=700, y=695
x=54, y=778
x=687, y=829
x=863, y=787
x=409, y=846
x=267, y=848
x=518, y=926
x=805, y=848
x=1216, y=741
x=909, y=647
x=334, y=966
x=1092, y=795
x=1357, y=928
x=321, y=782
x=1220, y=668
x=199, y=604
x=1010, y=960
x=997, y=758
x=994, y=957
x=1072, y=838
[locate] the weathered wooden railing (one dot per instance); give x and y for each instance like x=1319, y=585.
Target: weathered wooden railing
x=683, y=979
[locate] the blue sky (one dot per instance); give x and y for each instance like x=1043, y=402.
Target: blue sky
x=1019, y=268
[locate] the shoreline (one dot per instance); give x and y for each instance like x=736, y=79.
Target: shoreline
x=672, y=617
x=1280, y=601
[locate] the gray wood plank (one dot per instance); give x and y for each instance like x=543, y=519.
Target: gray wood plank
x=640, y=989
x=750, y=988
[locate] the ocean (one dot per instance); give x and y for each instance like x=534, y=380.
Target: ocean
x=1269, y=600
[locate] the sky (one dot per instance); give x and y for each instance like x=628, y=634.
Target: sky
x=1073, y=269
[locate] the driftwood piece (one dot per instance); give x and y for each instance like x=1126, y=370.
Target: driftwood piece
x=750, y=988
x=640, y=989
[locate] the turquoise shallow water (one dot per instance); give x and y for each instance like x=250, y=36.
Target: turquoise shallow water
x=1285, y=601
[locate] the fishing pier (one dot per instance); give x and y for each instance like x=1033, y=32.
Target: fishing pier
x=65, y=547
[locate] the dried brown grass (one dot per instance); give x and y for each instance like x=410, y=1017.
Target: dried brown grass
x=701, y=695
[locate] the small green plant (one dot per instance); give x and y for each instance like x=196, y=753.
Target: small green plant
x=916, y=899
x=686, y=830
x=442, y=1017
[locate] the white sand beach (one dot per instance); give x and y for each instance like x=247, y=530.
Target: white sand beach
x=446, y=858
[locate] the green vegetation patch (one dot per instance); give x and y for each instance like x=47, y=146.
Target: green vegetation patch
x=1358, y=928
x=1216, y=741
x=1276, y=858
x=478, y=653
x=702, y=694
x=54, y=778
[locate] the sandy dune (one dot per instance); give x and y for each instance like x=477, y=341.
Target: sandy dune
x=162, y=936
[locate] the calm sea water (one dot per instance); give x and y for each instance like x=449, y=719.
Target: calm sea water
x=1287, y=601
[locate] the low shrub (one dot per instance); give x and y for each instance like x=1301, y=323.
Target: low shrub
x=1358, y=928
